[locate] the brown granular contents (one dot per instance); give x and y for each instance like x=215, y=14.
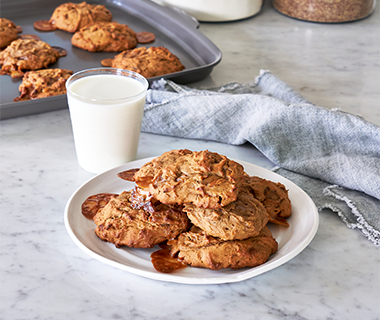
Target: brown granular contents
x=325, y=10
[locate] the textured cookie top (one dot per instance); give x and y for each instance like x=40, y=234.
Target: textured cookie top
x=149, y=62
x=8, y=32
x=240, y=219
x=205, y=179
x=119, y=223
x=43, y=83
x=198, y=249
x=71, y=17
x=27, y=55
x=105, y=36
x=274, y=197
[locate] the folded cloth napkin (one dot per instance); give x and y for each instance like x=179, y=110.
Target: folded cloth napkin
x=333, y=155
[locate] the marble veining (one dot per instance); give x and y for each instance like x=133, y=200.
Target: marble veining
x=44, y=275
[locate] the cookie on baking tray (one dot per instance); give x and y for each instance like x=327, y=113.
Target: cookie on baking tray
x=198, y=249
x=149, y=62
x=8, y=32
x=43, y=83
x=205, y=179
x=119, y=223
x=27, y=54
x=72, y=17
x=105, y=36
x=241, y=219
x=274, y=197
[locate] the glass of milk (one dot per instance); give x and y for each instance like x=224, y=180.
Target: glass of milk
x=106, y=109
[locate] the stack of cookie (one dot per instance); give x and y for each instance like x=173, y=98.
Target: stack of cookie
x=210, y=212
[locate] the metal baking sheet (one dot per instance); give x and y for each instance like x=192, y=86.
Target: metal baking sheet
x=173, y=29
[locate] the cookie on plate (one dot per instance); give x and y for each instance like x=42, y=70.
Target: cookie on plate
x=198, y=249
x=105, y=36
x=71, y=17
x=205, y=179
x=43, y=83
x=274, y=197
x=241, y=219
x=27, y=54
x=149, y=62
x=8, y=32
x=123, y=225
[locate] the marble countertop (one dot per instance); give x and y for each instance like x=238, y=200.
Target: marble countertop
x=44, y=275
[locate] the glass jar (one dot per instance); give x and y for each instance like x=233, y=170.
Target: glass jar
x=327, y=11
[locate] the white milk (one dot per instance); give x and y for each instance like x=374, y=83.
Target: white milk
x=106, y=112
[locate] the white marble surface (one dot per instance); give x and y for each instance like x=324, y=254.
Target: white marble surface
x=44, y=275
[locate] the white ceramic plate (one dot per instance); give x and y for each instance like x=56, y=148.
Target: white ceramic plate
x=291, y=241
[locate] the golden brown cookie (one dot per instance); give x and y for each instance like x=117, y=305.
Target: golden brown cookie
x=274, y=197
x=27, y=54
x=198, y=249
x=71, y=17
x=149, y=62
x=123, y=225
x=205, y=179
x=8, y=32
x=241, y=219
x=105, y=36
x=43, y=83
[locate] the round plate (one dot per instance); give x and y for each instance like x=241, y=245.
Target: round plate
x=291, y=240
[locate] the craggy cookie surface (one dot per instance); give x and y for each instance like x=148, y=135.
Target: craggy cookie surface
x=105, y=36
x=198, y=249
x=149, y=62
x=71, y=17
x=43, y=83
x=241, y=219
x=121, y=224
x=27, y=55
x=274, y=197
x=205, y=179
x=8, y=32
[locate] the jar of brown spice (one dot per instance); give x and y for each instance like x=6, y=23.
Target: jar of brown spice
x=327, y=11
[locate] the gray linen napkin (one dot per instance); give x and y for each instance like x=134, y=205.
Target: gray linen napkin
x=333, y=155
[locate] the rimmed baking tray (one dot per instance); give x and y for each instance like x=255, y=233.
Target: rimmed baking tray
x=173, y=29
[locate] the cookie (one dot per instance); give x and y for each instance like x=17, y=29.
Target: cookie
x=27, y=54
x=198, y=249
x=8, y=32
x=71, y=17
x=241, y=219
x=43, y=83
x=105, y=36
x=205, y=179
x=274, y=197
x=123, y=225
x=149, y=62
